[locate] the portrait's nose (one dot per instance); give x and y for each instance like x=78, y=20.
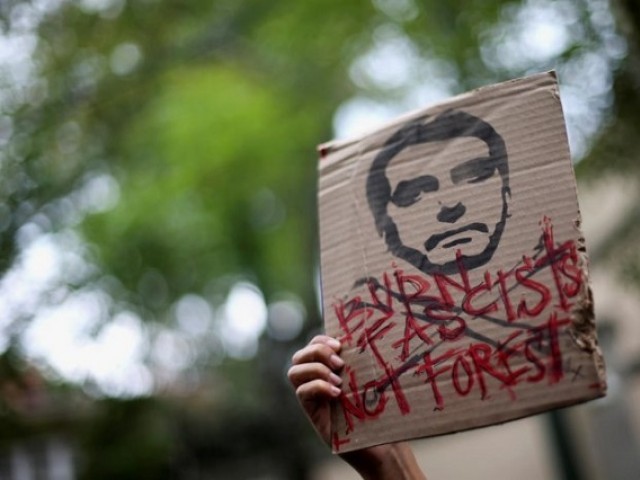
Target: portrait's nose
x=451, y=214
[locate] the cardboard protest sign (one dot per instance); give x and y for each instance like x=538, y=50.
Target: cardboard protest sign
x=453, y=268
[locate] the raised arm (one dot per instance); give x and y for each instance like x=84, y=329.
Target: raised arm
x=313, y=374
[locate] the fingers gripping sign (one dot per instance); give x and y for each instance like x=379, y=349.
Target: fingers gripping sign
x=313, y=375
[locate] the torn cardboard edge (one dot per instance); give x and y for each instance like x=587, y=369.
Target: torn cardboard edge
x=453, y=268
x=326, y=148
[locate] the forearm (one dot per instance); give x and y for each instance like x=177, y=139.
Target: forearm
x=386, y=462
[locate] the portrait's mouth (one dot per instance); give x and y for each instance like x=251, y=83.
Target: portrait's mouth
x=459, y=241
x=434, y=240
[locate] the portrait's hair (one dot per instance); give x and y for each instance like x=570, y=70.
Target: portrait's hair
x=446, y=126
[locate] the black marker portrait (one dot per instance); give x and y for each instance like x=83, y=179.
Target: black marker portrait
x=468, y=221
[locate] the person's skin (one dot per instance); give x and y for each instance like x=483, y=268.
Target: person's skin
x=313, y=374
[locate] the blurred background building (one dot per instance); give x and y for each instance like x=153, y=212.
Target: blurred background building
x=158, y=236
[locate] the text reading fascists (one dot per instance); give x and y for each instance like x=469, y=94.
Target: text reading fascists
x=429, y=322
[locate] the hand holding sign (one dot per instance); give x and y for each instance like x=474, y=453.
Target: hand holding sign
x=312, y=374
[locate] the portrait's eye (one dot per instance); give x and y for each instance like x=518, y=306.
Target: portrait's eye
x=408, y=191
x=474, y=171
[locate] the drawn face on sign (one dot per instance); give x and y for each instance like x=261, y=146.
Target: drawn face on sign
x=438, y=192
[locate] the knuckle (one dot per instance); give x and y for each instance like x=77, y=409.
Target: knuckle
x=321, y=351
x=295, y=357
x=318, y=339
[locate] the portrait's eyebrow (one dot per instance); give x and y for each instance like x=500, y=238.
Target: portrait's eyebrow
x=407, y=192
x=474, y=170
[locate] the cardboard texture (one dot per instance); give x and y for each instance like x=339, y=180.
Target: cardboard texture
x=453, y=268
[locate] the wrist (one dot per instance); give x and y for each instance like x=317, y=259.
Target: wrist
x=394, y=461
